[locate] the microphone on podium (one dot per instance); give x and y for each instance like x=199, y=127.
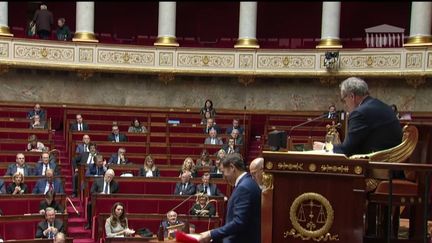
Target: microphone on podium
x=304, y=123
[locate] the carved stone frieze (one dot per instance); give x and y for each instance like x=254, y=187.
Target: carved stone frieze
x=246, y=61
x=4, y=50
x=166, y=58
x=44, y=52
x=373, y=61
x=205, y=60
x=414, y=60
x=142, y=58
x=286, y=61
x=86, y=55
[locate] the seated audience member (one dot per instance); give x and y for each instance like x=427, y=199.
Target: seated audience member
x=17, y=186
x=189, y=165
x=79, y=125
x=202, y=207
x=136, y=127
x=171, y=220
x=49, y=227
x=37, y=123
x=208, y=107
x=256, y=170
x=216, y=168
x=331, y=114
x=213, y=139
x=204, y=160
x=19, y=166
x=2, y=187
x=208, y=188
x=395, y=110
x=36, y=111
x=34, y=145
x=63, y=32
x=50, y=202
x=84, y=146
x=116, y=136
x=117, y=224
x=236, y=125
x=105, y=185
x=231, y=147
x=185, y=186
x=45, y=165
x=98, y=168
x=60, y=238
x=149, y=169
x=85, y=158
x=238, y=139
x=207, y=115
x=211, y=124
x=119, y=158
x=49, y=183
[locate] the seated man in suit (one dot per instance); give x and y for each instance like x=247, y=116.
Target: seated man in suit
x=171, y=220
x=46, y=164
x=48, y=183
x=116, y=136
x=49, y=227
x=331, y=114
x=84, y=146
x=209, y=188
x=211, y=124
x=84, y=158
x=36, y=111
x=231, y=147
x=236, y=125
x=213, y=139
x=119, y=158
x=38, y=123
x=19, y=166
x=79, y=125
x=237, y=137
x=185, y=187
x=105, y=185
x=98, y=168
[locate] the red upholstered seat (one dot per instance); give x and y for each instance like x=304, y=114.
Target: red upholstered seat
x=399, y=187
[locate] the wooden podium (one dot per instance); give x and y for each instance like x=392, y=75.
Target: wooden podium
x=312, y=197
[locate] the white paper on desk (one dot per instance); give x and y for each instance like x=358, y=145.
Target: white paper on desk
x=316, y=152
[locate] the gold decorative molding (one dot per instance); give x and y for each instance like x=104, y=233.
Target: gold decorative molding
x=44, y=53
x=267, y=180
x=85, y=74
x=5, y=31
x=246, y=80
x=266, y=61
x=415, y=81
x=358, y=170
x=246, y=61
x=142, y=58
x=167, y=41
x=212, y=60
x=328, y=81
x=335, y=168
x=166, y=77
x=269, y=165
x=418, y=41
x=371, y=61
x=85, y=37
x=312, y=167
x=289, y=166
x=329, y=44
x=247, y=43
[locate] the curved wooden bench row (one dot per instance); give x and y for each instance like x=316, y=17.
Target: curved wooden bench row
x=26, y=203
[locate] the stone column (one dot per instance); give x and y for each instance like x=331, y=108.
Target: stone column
x=167, y=25
x=330, y=25
x=420, y=27
x=247, y=26
x=85, y=22
x=4, y=27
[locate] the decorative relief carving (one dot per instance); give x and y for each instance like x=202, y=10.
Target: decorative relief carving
x=166, y=58
x=86, y=55
x=414, y=60
x=246, y=61
x=4, y=49
x=286, y=61
x=289, y=166
x=369, y=61
x=246, y=80
x=205, y=60
x=126, y=57
x=334, y=168
x=47, y=53
x=429, y=58
x=85, y=74
x=166, y=77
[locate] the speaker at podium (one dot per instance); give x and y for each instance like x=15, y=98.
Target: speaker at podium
x=277, y=139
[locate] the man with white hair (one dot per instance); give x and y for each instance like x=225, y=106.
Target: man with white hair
x=256, y=170
x=44, y=20
x=49, y=227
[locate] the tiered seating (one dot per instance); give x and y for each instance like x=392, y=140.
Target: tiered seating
x=26, y=203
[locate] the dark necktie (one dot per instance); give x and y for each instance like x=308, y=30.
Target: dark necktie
x=46, y=168
x=97, y=170
x=106, y=188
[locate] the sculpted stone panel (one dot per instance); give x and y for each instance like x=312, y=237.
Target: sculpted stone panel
x=286, y=61
x=4, y=50
x=246, y=61
x=414, y=60
x=86, y=55
x=166, y=58
x=45, y=53
x=205, y=60
x=373, y=61
x=107, y=56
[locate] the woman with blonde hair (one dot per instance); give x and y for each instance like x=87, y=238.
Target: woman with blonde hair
x=117, y=224
x=35, y=145
x=149, y=169
x=17, y=186
x=202, y=207
x=189, y=165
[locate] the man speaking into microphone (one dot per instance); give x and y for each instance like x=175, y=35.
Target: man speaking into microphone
x=243, y=218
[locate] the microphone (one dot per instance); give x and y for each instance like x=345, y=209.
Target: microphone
x=305, y=123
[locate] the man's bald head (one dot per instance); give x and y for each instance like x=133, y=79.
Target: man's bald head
x=256, y=169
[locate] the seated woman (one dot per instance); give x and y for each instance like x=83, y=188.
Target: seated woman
x=149, y=169
x=204, y=160
x=34, y=145
x=216, y=168
x=17, y=186
x=136, y=127
x=208, y=107
x=37, y=123
x=117, y=224
x=203, y=207
x=189, y=165
x=50, y=201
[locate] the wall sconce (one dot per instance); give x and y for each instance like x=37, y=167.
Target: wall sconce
x=331, y=60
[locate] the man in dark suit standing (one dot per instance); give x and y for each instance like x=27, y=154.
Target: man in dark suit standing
x=185, y=187
x=116, y=136
x=44, y=20
x=243, y=219
x=50, y=226
x=79, y=125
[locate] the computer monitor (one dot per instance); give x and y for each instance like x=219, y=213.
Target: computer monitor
x=277, y=140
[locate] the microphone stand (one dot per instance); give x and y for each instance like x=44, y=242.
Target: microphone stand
x=304, y=123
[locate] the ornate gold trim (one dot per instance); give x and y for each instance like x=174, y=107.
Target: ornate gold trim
x=5, y=31
x=85, y=37
x=289, y=166
x=358, y=169
x=247, y=43
x=267, y=180
x=269, y=165
x=414, y=41
x=312, y=167
x=329, y=44
x=335, y=168
x=166, y=41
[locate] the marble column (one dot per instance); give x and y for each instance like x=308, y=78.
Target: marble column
x=85, y=22
x=420, y=27
x=4, y=27
x=330, y=25
x=247, y=25
x=166, y=25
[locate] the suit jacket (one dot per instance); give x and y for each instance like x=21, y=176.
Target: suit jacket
x=54, y=204
x=218, y=141
x=82, y=159
x=2, y=187
x=39, y=168
x=190, y=189
x=41, y=184
x=229, y=130
x=243, y=219
x=156, y=172
x=165, y=224
x=122, y=137
x=11, y=188
x=74, y=126
x=80, y=148
x=43, y=225
x=114, y=159
x=12, y=169
x=41, y=114
x=92, y=171
x=98, y=184
x=210, y=207
x=42, y=125
x=226, y=148
x=214, y=190
x=372, y=127
x=215, y=127
x=43, y=19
